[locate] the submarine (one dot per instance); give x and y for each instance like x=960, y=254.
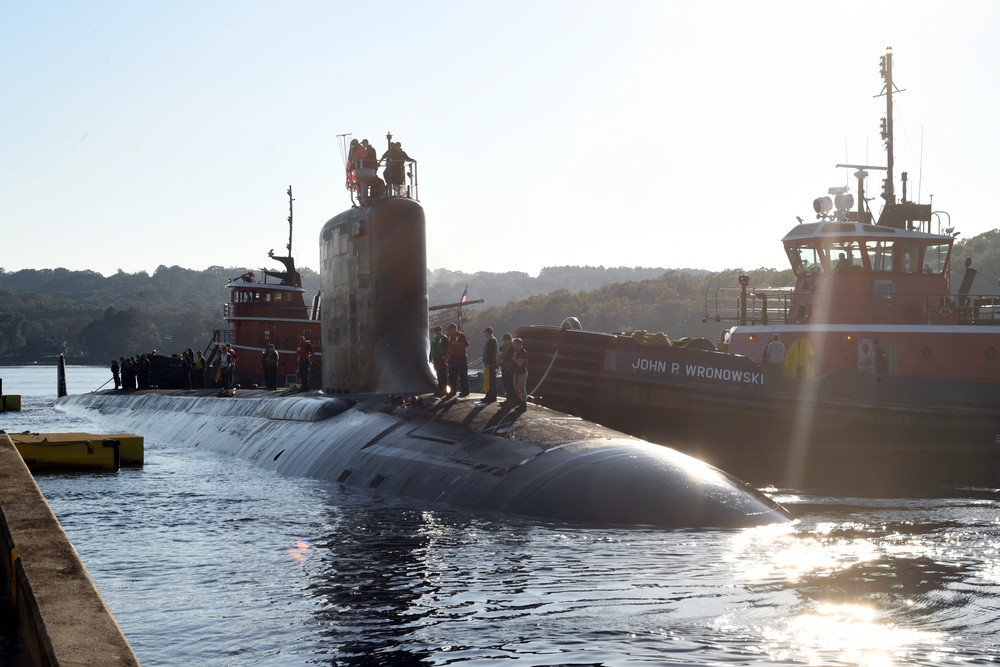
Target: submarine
x=376, y=426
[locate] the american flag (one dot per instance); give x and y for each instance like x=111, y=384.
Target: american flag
x=462, y=301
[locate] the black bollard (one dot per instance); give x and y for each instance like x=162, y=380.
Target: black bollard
x=61, y=389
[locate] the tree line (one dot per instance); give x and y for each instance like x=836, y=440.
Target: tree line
x=94, y=317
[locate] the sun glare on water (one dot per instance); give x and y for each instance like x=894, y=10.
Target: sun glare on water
x=835, y=617
x=851, y=634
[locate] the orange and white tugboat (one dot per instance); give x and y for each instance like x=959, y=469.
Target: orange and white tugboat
x=270, y=308
x=883, y=369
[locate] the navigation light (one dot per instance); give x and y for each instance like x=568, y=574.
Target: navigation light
x=822, y=204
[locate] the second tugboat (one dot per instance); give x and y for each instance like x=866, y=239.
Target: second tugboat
x=880, y=369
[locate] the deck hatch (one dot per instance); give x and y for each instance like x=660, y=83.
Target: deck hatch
x=476, y=445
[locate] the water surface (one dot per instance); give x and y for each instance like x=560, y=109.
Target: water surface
x=211, y=561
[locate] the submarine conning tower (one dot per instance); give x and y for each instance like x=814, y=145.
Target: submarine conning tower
x=373, y=263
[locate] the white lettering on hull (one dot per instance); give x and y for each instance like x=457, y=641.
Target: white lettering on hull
x=652, y=366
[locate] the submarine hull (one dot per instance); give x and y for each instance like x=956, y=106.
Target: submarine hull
x=537, y=463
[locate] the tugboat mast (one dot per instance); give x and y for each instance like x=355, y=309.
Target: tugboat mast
x=290, y=276
x=888, y=188
x=864, y=214
x=290, y=200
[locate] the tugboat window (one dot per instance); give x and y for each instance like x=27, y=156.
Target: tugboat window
x=805, y=259
x=845, y=257
x=908, y=258
x=879, y=255
x=936, y=258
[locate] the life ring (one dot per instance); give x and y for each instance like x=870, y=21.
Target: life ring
x=946, y=307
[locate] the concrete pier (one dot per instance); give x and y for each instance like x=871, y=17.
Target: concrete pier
x=63, y=617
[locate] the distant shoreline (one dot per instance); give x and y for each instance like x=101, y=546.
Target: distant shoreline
x=52, y=360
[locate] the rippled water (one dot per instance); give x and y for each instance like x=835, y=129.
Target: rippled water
x=210, y=561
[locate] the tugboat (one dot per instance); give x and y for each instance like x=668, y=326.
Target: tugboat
x=887, y=372
x=269, y=308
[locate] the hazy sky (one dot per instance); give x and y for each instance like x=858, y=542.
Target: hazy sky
x=674, y=134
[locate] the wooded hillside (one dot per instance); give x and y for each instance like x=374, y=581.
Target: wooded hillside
x=44, y=311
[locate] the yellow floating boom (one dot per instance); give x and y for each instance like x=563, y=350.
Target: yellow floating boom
x=130, y=446
x=78, y=451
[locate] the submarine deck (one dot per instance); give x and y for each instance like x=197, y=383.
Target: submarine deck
x=538, y=424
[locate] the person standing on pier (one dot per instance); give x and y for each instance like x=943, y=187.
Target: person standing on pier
x=490, y=366
x=199, y=370
x=304, y=355
x=506, y=363
x=187, y=368
x=520, y=369
x=233, y=356
x=115, y=370
x=143, y=372
x=439, y=357
x=458, y=361
x=222, y=361
x=128, y=373
x=269, y=359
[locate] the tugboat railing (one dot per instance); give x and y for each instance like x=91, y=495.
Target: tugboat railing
x=311, y=313
x=774, y=306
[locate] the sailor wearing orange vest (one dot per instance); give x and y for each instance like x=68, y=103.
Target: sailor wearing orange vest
x=304, y=354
